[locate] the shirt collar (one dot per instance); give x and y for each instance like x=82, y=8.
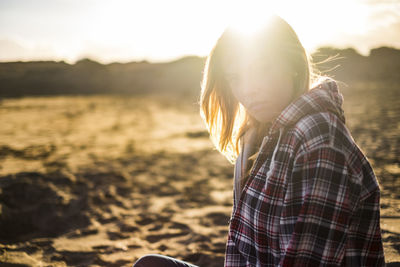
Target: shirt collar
x=325, y=96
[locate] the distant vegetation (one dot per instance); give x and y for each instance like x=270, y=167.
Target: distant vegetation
x=181, y=77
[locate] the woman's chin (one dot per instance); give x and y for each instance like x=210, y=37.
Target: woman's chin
x=262, y=118
x=265, y=117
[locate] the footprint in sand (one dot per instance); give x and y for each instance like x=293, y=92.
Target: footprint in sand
x=116, y=235
x=180, y=226
x=214, y=218
x=146, y=219
x=123, y=227
x=82, y=232
x=156, y=238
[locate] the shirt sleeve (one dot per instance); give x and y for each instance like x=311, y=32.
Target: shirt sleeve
x=318, y=206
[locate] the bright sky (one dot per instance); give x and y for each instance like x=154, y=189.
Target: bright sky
x=160, y=30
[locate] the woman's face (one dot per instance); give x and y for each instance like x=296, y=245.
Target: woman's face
x=263, y=87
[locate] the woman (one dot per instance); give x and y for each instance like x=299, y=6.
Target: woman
x=304, y=193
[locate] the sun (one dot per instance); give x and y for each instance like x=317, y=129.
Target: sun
x=247, y=18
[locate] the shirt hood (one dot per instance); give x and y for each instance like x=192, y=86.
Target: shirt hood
x=323, y=97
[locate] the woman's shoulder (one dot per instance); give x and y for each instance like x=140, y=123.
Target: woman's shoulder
x=326, y=132
x=323, y=129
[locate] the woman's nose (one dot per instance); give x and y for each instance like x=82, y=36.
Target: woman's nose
x=254, y=86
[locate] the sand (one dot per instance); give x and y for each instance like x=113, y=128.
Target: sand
x=101, y=181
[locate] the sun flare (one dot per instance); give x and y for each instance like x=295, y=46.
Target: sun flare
x=248, y=19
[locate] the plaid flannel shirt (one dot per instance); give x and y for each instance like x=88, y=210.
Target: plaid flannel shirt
x=312, y=198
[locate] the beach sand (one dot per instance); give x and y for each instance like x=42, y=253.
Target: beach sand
x=102, y=181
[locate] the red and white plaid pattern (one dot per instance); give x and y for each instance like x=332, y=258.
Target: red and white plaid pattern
x=318, y=203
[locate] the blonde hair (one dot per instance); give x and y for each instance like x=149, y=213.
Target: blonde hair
x=225, y=118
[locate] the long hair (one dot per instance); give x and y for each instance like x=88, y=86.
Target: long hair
x=226, y=119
